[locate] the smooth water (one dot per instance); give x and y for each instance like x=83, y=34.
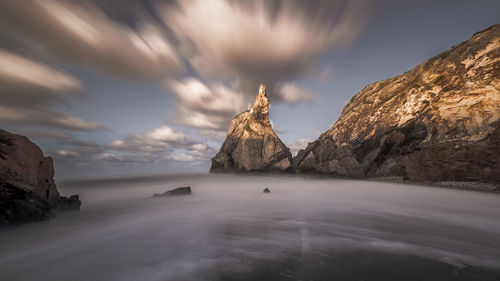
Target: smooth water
x=305, y=229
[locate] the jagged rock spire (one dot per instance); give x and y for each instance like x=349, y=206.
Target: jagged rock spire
x=251, y=143
x=262, y=89
x=260, y=108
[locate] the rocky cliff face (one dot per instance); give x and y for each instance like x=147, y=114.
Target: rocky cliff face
x=27, y=188
x=437, y=122
x=251, y=143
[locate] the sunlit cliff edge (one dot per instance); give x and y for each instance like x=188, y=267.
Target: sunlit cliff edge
x=436, y=122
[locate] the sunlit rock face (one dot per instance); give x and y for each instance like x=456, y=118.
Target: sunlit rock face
x=27, y=188
x=436, y=122
x=251, y=143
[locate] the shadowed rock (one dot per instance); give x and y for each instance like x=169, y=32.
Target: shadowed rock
x=27, y=188
x=251, y=143
x=69, y=203
x=266, y=190
x=186, y=190
x=437, y=122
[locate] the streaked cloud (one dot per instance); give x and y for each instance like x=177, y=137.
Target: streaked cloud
x=81, y=33
x=205, y=107
x=48, y=134
x=62, y=152
x=45, y=117
x=195, y=95
x=17, y=70
x=27, y=82
x=214, y=135
x=262, y=41
x=160, y=139
x=30, y=87
x=293, y=94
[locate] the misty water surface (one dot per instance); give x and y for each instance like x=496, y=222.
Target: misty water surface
x=305, y=229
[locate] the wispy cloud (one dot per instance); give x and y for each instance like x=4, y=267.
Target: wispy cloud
x=30, y=87
x=48, y=134
x=298, y=144
x=27, y=82
x=40, y=116
x=81, y=33
x=162, y=149
x=293, y=94
x=205, y=107
x=162, y=139
x=262, y=41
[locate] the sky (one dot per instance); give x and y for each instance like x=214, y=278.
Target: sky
x=113, y=88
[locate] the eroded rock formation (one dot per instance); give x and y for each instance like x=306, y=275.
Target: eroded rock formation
x=251, y=143
x=436, y=122
x=27, y=188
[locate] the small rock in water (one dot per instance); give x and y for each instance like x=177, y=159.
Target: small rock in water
x=69, y=203
x=266, y=190
x=185, y=190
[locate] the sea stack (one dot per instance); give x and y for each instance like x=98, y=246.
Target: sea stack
x=251, y=143
x=27, y=188
x=437, y=122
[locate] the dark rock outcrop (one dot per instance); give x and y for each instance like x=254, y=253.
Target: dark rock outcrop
x=437, y=122
x=251, y=143
x=27, y=188
x=266, y=190
x=185, y=190
x=69, y=203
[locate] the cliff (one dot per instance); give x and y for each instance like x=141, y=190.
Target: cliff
x=251, y=143
x=27, y=188
x=436, y=122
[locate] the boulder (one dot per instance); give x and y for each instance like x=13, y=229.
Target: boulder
x=185, y=190
x=69, y=203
